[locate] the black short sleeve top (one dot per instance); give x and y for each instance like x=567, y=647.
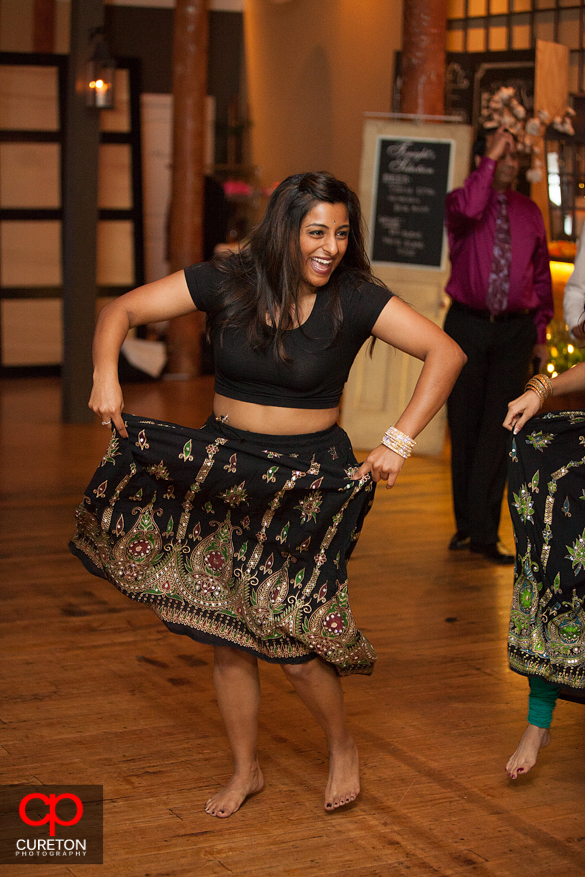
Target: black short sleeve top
x=318, y=367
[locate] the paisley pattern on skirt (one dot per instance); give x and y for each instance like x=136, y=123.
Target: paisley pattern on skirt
x=231, y=537
x=546, y=493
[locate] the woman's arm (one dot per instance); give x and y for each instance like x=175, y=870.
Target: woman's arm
x=161, y=300
x=402, y=327
x=520, y=410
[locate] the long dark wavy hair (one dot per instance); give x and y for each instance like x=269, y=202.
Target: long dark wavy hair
x=260, y=289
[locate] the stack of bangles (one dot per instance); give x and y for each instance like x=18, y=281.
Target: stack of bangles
x=542, y=386
x=398, y=442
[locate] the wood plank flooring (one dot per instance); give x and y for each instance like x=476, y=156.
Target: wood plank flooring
x=96, y=691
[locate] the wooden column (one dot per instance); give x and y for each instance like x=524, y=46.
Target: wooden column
x=424, y=30
x=44, y=25
x=186, y=219
x=551, y=92
x=80, y=215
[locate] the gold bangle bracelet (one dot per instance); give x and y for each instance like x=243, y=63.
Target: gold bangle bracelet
x=543, y=381
x=399, y=442
x=541, y=385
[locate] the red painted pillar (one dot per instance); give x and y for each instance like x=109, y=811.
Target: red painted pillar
x=424, y=30
x=191, y=32
x=44, y=12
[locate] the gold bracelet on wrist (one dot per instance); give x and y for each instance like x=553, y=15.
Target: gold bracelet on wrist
x=399, y=442
x=545, y=382
x=541, y=385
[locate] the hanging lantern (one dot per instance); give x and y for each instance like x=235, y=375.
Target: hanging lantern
x=101, y=70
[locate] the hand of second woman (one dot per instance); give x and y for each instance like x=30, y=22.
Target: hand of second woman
x=520, y=410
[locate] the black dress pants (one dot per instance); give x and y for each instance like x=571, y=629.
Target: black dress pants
x=499, y=356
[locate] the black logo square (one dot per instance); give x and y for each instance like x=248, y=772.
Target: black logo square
x=51, y=825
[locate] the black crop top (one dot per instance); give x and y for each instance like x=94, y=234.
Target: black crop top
x=318, y=369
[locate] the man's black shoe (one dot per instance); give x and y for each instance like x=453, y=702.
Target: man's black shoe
x=494, y=552
x=459, y=541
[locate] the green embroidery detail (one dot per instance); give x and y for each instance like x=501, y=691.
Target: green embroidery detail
x=112, y=451
x=269, y=476
x=523, y=504
x=235, y=495
x=283, y=533
x=310, y=507
x=186, y=453
x=159, y=471
x=539, y=440
x=299, y=578
x=577, y=554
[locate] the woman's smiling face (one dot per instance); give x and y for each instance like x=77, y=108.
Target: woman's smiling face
x=323, y=241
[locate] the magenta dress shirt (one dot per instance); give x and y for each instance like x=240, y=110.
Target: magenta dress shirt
x=471, y=223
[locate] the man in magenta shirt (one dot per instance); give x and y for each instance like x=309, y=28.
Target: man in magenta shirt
x=501, y=293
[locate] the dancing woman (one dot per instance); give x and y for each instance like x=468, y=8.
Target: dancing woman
x=238, y=534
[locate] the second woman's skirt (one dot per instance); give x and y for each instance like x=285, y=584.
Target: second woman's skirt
x=233, y=538
x=547, y=503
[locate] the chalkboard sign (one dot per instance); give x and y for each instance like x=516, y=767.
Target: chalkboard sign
x=411, y=182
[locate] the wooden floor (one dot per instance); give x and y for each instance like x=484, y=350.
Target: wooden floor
x=96, y=691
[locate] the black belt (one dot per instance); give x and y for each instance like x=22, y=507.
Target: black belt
x=487, y=315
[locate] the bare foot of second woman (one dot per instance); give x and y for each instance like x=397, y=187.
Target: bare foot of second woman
x=343, y=785
x=532, y=741
x=230, y=798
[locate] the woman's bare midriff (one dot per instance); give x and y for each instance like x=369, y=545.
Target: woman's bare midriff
x=271, y=419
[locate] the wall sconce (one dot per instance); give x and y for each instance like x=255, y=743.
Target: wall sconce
x=101, y=71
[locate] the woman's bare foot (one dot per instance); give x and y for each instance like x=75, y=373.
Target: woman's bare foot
x=343, y=785
x=533, y=739
x=232, y=796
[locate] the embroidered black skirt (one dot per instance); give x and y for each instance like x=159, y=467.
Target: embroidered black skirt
x=547, y=503
x=231, y=537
